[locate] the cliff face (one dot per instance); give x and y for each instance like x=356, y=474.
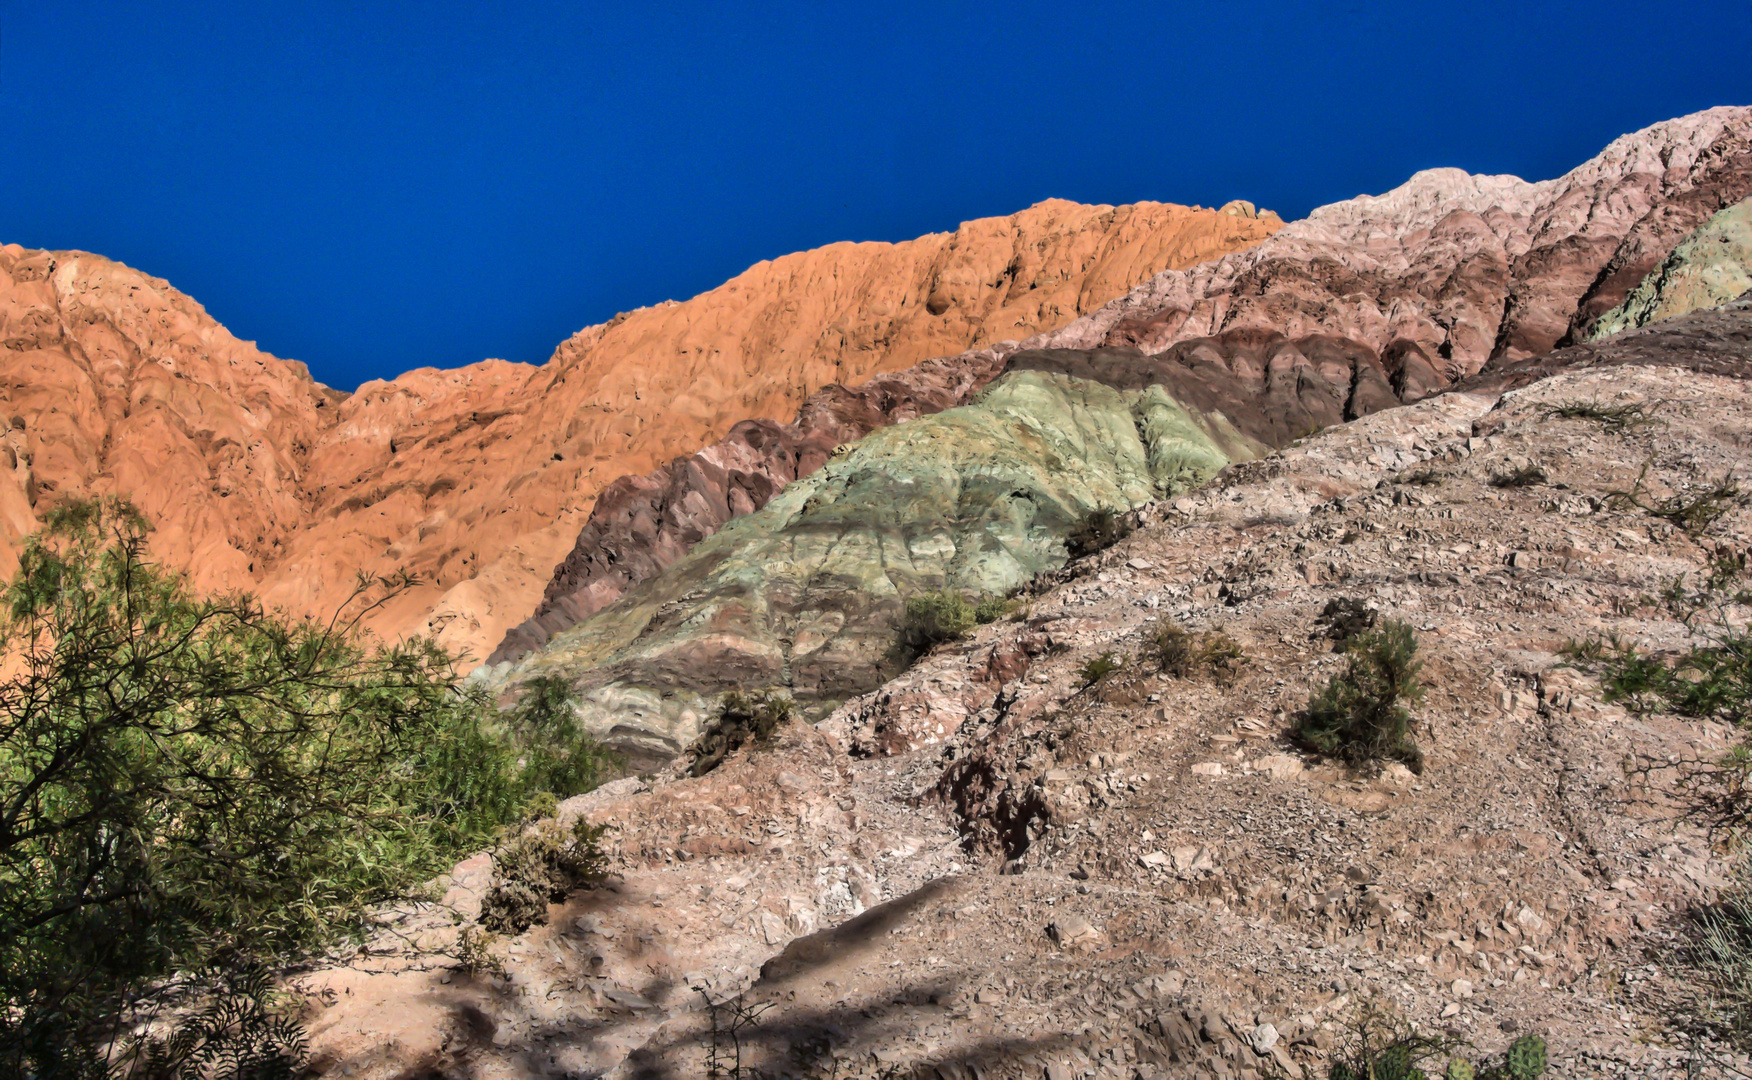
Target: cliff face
x=479, y=479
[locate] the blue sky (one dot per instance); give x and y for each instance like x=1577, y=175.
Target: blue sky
x=375, y=187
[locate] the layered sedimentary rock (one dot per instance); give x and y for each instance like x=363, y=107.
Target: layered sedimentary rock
x=1710, y=267
x=807, y=592
x=1367, y=303
x=478, y=479
x=115, y=383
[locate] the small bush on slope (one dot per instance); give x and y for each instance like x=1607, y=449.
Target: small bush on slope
x=1183, y=654
x=742, y=720
x=934, y=618
x=1711, y=679
x=1098, y=668
x=542, y=866
x=1363, y=713
x=1098, y=531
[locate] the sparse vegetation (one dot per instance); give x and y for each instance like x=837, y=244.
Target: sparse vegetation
x=542, y=866
x=1343, y=618
x=474, y=953
x=192, y=787
x=1614, y=418
x=1692, y=511
x=1098, y=668
x=1364, y=712
x=992, y=608
x=1380, y=1045
x=1520, y=477
x=1099, y=530
x=1712, y=679
x=1422, y=478
x=945, y=615
x=1184, y=655
x=933, y=619
x=750, y=720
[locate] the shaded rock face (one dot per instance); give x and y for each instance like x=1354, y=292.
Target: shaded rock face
x=478, y=479
x=1365, y=304
x=808, y=591
x=1710, y=267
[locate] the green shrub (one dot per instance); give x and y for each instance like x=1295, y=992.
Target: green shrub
x=1712, y=679
x=1363, y=714
x=934, y=618
x=1378, y=1044
x=559, y=756
x=742, y=720
x=1183, y=654
x=544, y=865
x=1099, y=530
x=192, y=785
x=992, y=608
x=1098, y=668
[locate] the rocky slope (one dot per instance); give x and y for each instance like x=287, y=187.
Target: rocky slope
x=986, y=868
x=478, y=479
x=1366, y=304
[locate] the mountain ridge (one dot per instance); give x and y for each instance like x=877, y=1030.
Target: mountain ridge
x=477, y=478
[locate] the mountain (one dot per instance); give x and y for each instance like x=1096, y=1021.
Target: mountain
x=989, y=867
x=478, y=479
x=1366, y=304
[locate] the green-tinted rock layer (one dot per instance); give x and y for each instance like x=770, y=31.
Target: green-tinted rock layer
x=1707, y=269
x=808, y=592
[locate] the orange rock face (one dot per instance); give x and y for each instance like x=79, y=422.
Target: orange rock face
x=477, y=479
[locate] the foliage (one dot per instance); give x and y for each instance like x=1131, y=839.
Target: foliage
x=241, y=1029
x=742, y=720
x=542, y=866
x=1614, y=418
x=186, y=784
x=474, y=953
x=1363, y=712
x=1183, y=654
x=559, y=756
x=1692, y=511
x=1712, y=679
x=1524, y=476
x=1099, y=530
x=1098, y=668
x=933, y=619
x=1379, y=1045
x=992, y=608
